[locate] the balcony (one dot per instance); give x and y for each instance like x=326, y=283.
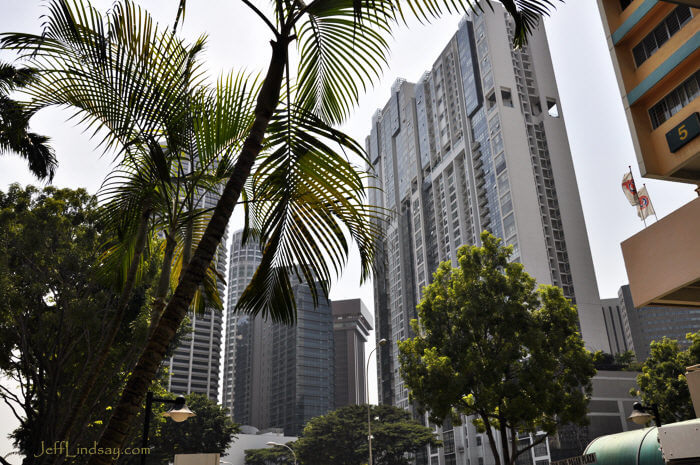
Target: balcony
x=663, y=260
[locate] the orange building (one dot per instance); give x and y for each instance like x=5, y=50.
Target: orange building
x=655, y=49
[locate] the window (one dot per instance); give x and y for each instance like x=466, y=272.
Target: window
x=491, y=100
x=478, y=440
x=625, y=3
x=507, y=97
x=675, y=100
x=660, y=35
x=552, y=108
x=509, y=226
x=535, y=105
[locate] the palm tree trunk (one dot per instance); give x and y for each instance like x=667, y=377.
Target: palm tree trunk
x=122, y=304
x=163, y=282
x=151, y=358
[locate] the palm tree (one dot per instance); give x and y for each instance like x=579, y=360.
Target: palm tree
x=15, y=136
x=304, y=199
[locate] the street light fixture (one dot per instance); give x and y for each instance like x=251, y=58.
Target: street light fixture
x=380, y=343
x=284, y=445
x=179, y=412
x=641, y=416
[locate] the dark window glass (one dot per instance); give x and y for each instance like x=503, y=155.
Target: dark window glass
x=660, y=35
x=625, y=3
x=675, y=100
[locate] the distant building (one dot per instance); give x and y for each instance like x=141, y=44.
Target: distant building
x=282, y=376
x=615, y=324
x=608, y=409
x=252, y=438
x=194, y=366
x=243, y=261
x=351, y=326
x=648, y=324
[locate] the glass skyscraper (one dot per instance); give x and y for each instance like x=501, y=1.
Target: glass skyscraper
x=276, y=376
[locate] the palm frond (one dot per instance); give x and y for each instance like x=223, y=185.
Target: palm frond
x=119, y=71
x=309, y=207
x=339, y=55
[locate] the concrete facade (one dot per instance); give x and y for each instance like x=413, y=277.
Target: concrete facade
x=655, y=49
x=351, y=326
x=478, y=143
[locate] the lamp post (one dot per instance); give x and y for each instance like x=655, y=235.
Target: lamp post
x=641, y=416
x=380, y=343
x=179, y=412
x=284, y=445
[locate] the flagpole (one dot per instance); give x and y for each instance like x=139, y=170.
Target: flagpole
x=636, y=197
x=652, y=205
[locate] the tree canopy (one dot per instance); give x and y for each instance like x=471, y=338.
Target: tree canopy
x=492, y=344
x=340, y=437
x=662, y=381
x=210, y=431
x=276, y=455
x=55, y=303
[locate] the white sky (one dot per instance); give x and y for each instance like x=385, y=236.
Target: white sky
x=598, y=132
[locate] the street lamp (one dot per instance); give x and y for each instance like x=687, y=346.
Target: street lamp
x=641, y=416
x=284, y=445
x=179, y=412
x=380, y=343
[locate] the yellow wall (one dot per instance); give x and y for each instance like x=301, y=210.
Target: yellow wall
x=658, y=161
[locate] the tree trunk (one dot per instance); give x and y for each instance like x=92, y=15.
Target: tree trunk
x=163, y=282
x=492, y=440
x=122, y=304
x=151, y=358
x=504, y=440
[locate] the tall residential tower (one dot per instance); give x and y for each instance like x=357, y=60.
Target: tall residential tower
x=478, y=143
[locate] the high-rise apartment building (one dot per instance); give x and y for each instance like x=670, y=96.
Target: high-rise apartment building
x=194, y=366
x=243, y=261
x=655, y=51
x=351, y=326
x=478, y=143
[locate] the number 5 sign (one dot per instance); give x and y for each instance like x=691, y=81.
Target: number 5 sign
x=686, y=131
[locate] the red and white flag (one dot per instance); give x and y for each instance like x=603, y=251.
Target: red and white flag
x=645, y=208
x=630, y=189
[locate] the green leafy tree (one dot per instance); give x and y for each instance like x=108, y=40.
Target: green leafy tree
x=54, y=302
x=307, y=198
x=276, y=455
x=15, y=136
x=340, y=437
x=492, y=344
x=662, y=381
x=210, y=431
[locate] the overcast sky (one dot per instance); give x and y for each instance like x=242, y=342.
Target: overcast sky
x=598, y=132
